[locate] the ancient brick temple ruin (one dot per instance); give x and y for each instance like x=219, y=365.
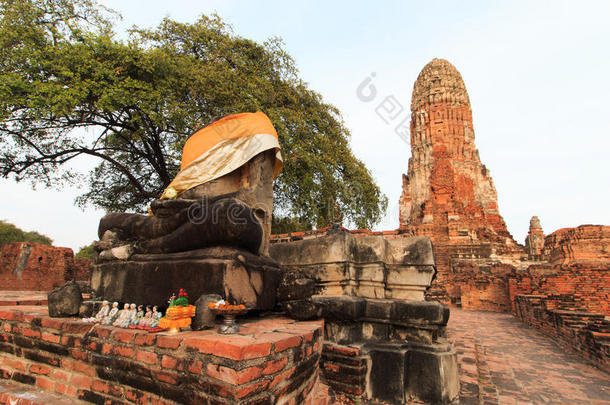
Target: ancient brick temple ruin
x=38, y=267
x=448, y=195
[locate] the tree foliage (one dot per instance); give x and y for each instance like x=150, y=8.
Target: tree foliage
x=86, y=252
x=281, y=225
x=69, y=88
x=10, y=233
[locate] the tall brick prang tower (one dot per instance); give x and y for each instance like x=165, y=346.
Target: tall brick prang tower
x=448, y=194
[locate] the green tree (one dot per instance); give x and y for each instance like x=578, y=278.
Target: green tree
x=281, y=225
x=10, y=233
x=69, y=88
x=86, y=252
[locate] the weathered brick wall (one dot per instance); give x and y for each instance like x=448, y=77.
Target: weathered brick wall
x=487, y=294
x=81, y=269
x=481, y=287
x=577, y=287
x=518, y=286
x=584, y=332
x=578, y=275
x=589, y=288
x=586, y=244
x=580, y=272
x=495, y=288
x=38, y=267
x=274, y=360
x=344, y=368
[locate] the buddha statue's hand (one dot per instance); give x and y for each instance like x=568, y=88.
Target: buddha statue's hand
x=117, y=253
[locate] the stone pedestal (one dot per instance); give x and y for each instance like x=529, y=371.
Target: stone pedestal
x=386, y=350
x=235, y=274
x=427, y=373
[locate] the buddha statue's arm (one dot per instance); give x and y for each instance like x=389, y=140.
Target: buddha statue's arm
x=137, y=226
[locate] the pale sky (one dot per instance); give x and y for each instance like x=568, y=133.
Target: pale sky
x=536, y=73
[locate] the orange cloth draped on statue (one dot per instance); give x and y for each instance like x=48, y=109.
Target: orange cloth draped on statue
x=223, y=146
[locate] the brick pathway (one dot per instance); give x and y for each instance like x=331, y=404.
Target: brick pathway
x=502, y=361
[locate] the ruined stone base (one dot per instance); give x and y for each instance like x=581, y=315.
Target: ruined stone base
x=586, y=333
x=389, y=351
x=235, y=274
x=30, y=266
x=272, y=360
x=392, y=372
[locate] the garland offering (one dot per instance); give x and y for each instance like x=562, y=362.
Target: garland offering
x=222, y=304
x=179, y=313
x=229, y=312
x=222, y=307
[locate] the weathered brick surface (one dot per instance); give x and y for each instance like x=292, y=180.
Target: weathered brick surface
x=271, y=360
x=584, y=287
x=584, y=332
x=18, y=394
x=585, y=245
x=38, y=267
x=503, y=361
x=447, y=193
x=344, y=368
x=575, y=286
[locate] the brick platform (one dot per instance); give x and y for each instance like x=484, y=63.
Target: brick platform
x=272, y=360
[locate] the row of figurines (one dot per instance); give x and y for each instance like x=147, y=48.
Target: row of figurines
x=127, y=316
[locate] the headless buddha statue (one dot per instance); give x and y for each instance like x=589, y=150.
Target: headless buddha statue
x=222, y=196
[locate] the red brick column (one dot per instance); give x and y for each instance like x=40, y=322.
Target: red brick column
x=344, y=368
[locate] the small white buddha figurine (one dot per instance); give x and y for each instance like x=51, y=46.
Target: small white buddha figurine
x=139, y=315
x=123, y=317
x=112, y=314
x=145, y=321
x=103, y=312
x=156, y=317
x=132, y=314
